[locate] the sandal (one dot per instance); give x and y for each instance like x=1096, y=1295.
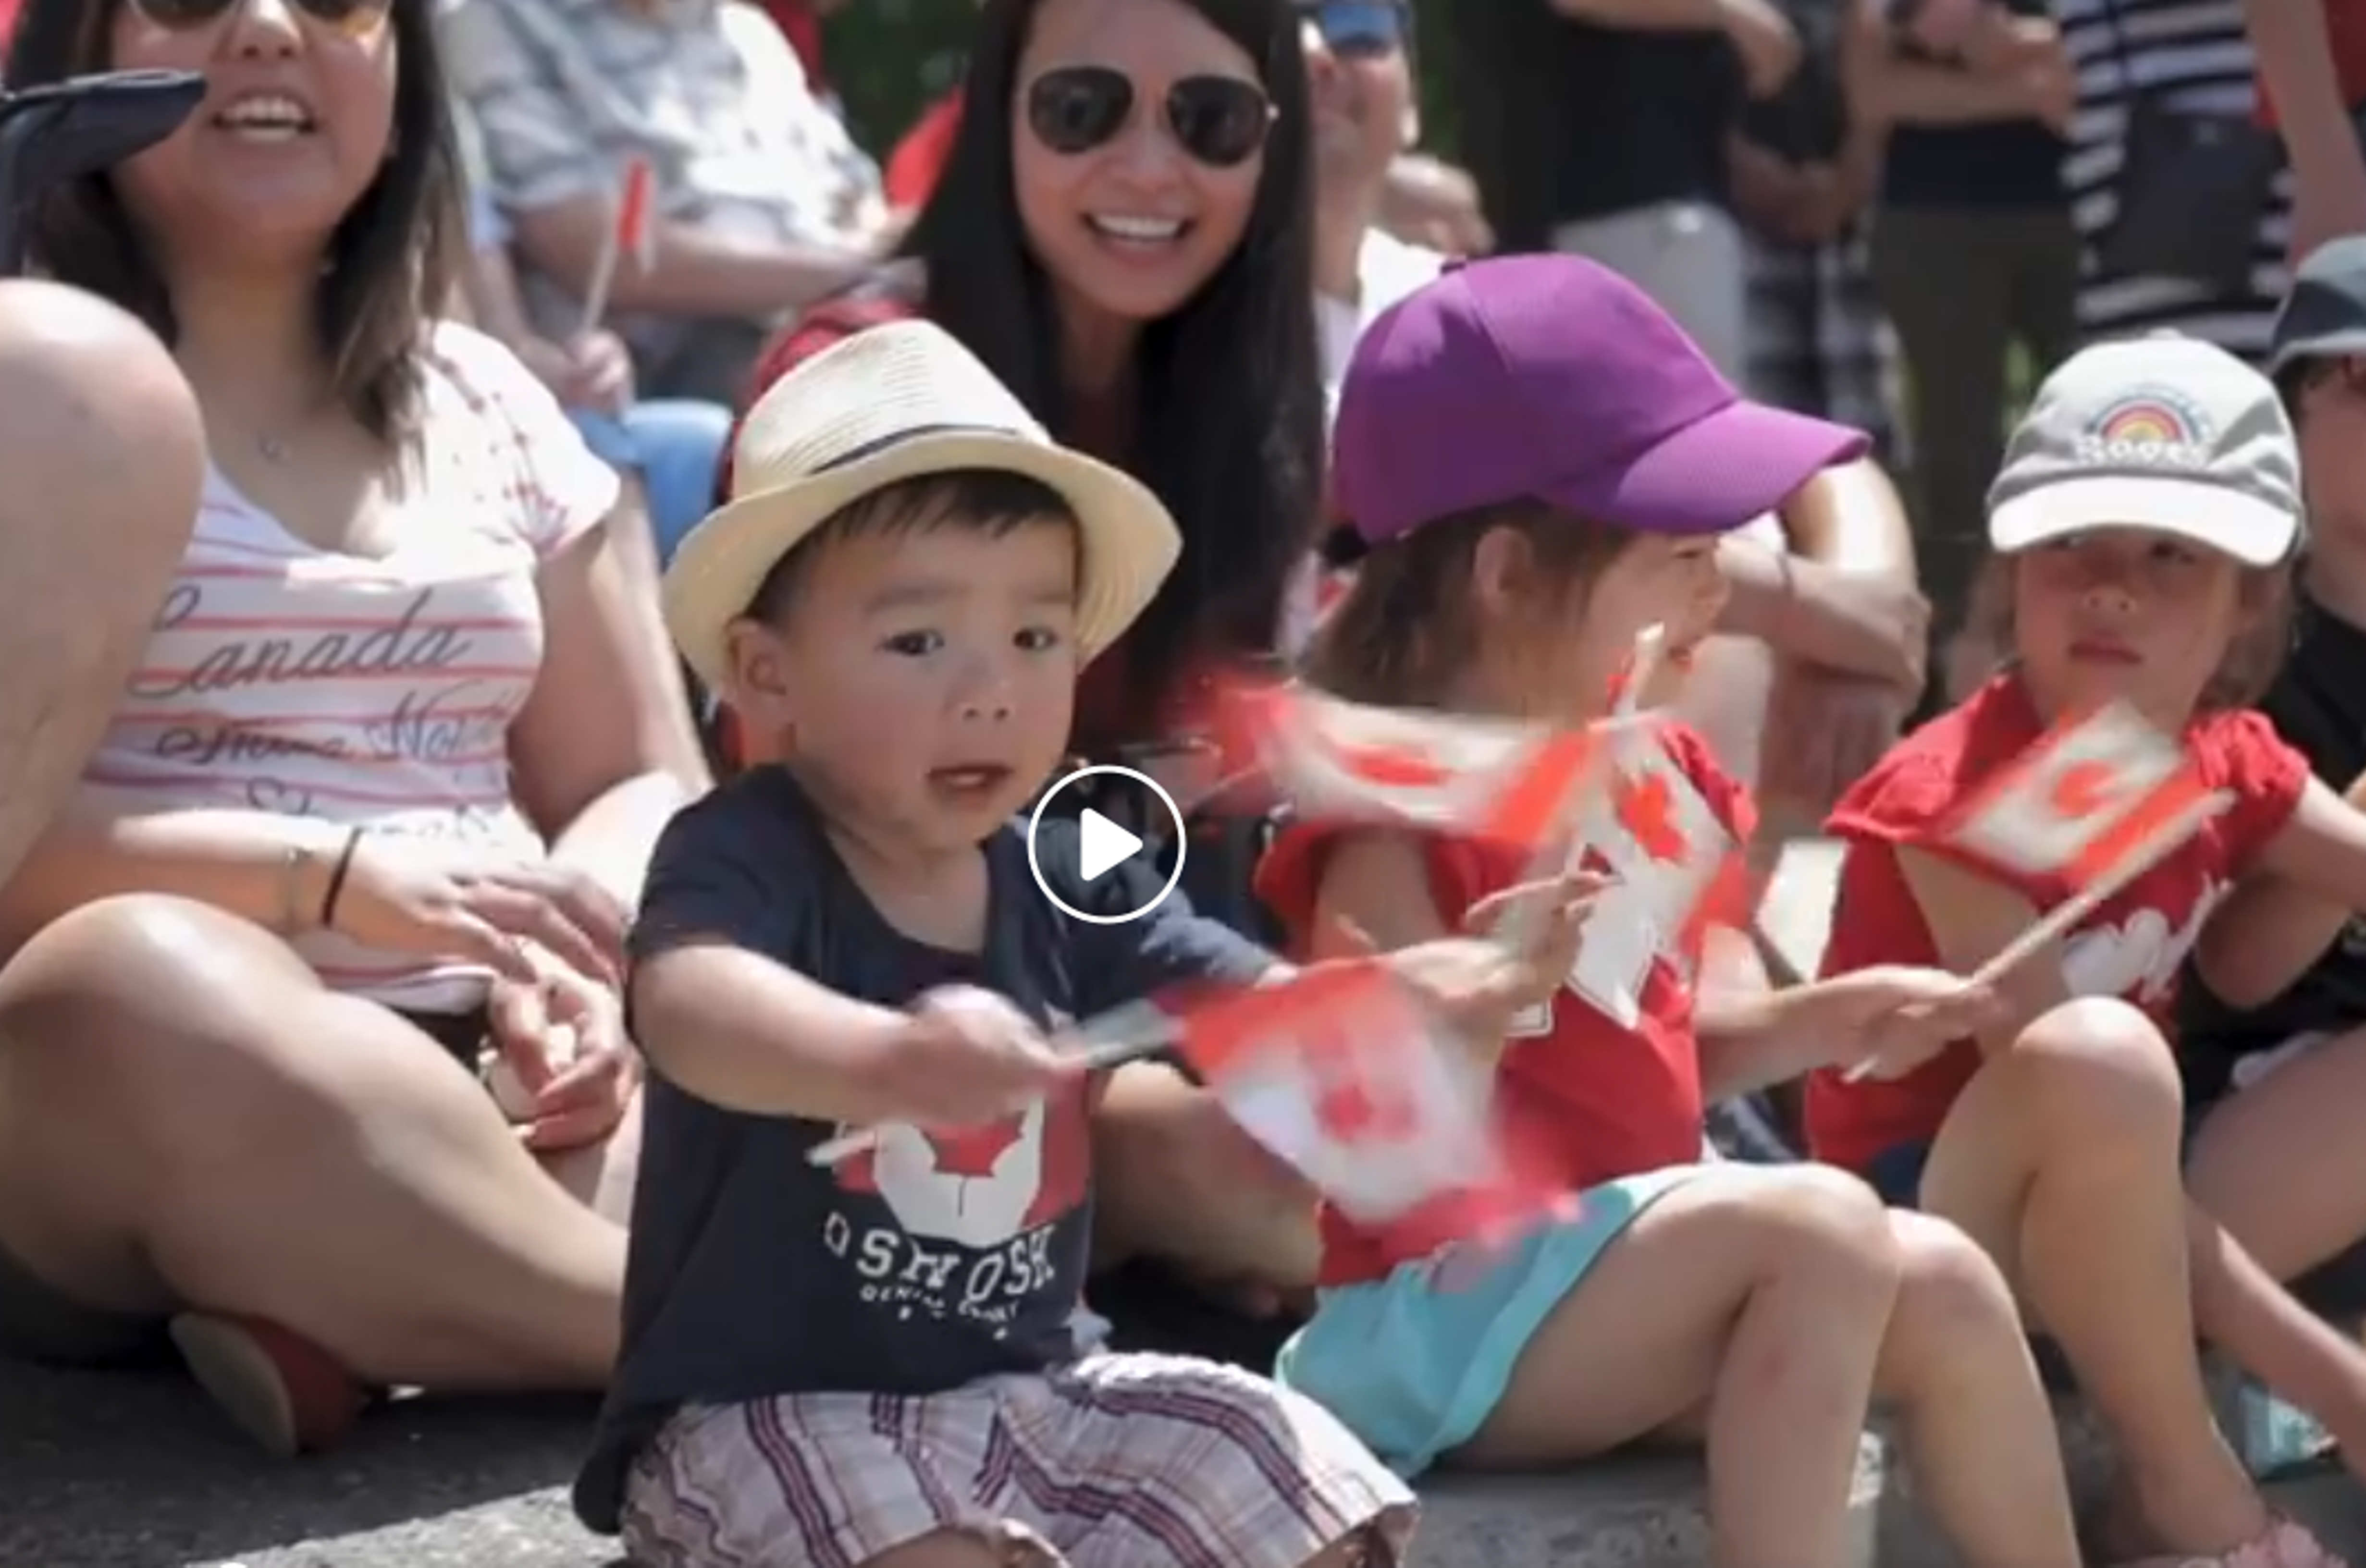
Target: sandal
x=277, y=1386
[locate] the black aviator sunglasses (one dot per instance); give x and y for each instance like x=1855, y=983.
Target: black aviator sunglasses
x=1220, y=121
x=354, y=18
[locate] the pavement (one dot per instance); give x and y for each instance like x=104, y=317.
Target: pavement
x=135, y=1471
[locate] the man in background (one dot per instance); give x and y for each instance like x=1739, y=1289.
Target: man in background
x=762, y=203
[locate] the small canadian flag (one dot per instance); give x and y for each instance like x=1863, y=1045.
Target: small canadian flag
x=1342, y=761
x=1673, y=864
x=1340, y=1072
x=636, y=236
x=2090, y=794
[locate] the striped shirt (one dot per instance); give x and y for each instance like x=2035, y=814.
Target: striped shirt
x=369, y=691
x=2195, y=51
x=564, y=93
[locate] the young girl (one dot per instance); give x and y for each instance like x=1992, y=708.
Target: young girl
x=2143, y=522
x=1541, y=463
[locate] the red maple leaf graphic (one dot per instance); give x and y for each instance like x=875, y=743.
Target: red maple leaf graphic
x=1351, y=1114
x=2084, y=789
x=1645, y=807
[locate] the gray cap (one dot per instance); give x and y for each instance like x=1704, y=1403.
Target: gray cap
x=2161, y=432
x=2324, y=314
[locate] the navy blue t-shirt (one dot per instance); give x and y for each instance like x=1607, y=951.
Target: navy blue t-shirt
x=931, y=1262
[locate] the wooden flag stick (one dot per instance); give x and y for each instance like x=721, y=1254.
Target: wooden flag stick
x=628, y=230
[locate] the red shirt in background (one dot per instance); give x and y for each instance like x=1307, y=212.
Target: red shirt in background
x=2133, y=948
x=8, y=9
x=920, y=158
x=1590, y=1100
x=802, y=27
x=2345, y=30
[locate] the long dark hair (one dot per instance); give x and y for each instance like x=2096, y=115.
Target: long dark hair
x=390, y=260
x=1230, y=430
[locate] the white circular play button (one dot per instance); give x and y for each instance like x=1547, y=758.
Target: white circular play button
x=1086, y=841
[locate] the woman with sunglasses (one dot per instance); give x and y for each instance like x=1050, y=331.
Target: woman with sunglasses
x=1123, y=233
x=369, y=810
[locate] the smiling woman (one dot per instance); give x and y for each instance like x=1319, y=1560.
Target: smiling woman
x=1123, y=235
x=363, y=823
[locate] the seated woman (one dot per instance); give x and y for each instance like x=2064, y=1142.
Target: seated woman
x=372, y=800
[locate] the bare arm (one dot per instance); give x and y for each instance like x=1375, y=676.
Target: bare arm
x=264, y=867
x=1750, y=1031
x=1848, y=519
x=2290, y=40
x=2311, y=877
x=1851, y=517
x=740, y=1031
x=603, y=751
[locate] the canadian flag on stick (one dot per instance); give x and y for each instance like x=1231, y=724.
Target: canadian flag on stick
x=631, y=237
x=2097, y=803
x=1340, y=1072
x=1674, y=868
x=1507, y=783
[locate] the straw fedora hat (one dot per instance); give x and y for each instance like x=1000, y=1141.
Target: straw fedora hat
x=895, y=402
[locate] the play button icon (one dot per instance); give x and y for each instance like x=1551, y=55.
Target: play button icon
x=1101, y=844
x=1080, y=843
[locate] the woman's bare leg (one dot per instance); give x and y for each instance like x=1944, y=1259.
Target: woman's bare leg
x=103, y=455
x=188, y=1119
x=2061, y=1160
x=1762, y=1290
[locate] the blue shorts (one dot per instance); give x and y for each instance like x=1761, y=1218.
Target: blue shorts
x=1414, y=1364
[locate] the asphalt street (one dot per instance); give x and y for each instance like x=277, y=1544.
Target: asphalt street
x=121, y=1471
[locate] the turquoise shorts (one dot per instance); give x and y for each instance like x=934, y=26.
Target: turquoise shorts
x=1415, y=1363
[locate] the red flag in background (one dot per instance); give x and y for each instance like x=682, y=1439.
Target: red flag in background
x=636, y=230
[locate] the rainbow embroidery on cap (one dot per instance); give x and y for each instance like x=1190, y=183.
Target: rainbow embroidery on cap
x=2154, y=425
x=2145, y=419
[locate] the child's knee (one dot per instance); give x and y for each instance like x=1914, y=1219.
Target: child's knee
x=1950, y=1291
x=1819, y=1222
x=2097, y=1069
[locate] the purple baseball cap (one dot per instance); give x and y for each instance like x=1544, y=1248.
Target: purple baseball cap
x=1554, y=377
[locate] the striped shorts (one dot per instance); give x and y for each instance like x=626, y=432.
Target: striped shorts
x=1117, y=1461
